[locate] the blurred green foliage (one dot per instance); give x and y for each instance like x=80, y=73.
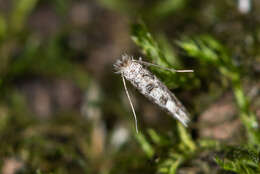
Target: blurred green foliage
x=161, y=56
x=240, y=160
x=20, y=12
x=209, y=50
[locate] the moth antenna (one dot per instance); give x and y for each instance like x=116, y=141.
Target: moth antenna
x=131, y=104
x=169, y=69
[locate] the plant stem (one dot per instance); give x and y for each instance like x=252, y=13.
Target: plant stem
x=186, y=138
x=247, y=117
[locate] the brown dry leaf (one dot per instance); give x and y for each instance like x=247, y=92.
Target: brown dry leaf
x=218, y=120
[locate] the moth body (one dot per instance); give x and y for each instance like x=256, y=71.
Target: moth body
x=151, y=87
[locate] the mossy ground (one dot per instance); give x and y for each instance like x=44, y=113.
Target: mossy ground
x=64, y=110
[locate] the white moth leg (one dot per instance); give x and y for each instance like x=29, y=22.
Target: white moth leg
x=131, y=104
x=169, y=69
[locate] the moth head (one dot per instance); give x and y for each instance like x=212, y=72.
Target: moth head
x=122, y=63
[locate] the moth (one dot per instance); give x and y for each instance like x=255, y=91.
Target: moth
x=150, y=86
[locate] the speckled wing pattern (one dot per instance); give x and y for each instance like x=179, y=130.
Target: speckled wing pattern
x=151, y=87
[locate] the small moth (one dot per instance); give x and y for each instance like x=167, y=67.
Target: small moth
x=150, y=86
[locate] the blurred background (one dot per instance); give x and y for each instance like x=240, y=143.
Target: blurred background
x=64, y=110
